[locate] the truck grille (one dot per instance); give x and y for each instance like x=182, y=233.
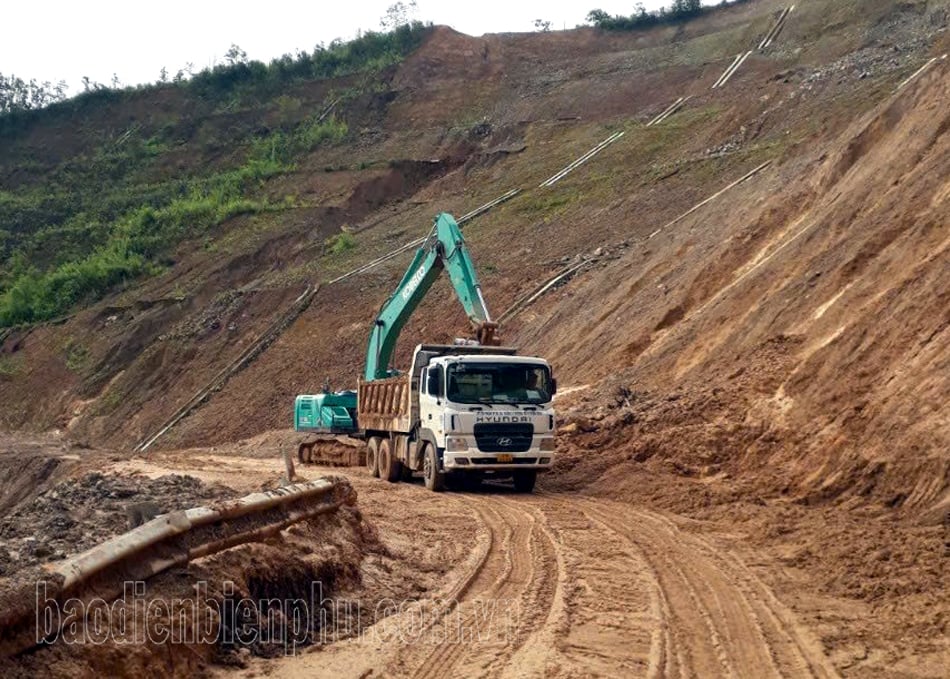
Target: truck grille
x=503, y=438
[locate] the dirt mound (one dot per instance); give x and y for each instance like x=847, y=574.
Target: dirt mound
x=790, y=381
x=262, y=599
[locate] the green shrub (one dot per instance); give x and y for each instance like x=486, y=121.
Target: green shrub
x=281, y=148
x=134, y=245
x=678, y=12
x=111, y=213
x=76, y=356
x=340, y=243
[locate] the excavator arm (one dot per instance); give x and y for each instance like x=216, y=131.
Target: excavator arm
x=443, y=249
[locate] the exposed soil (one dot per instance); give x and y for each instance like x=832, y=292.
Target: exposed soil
x=77, y=514
x=753, y=474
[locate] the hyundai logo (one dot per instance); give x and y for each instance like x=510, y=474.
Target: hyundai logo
x=504, y=441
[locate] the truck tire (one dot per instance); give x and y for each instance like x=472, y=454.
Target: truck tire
x=389, y=467
x=525, y=479
x=433, y=476
x=372, y=455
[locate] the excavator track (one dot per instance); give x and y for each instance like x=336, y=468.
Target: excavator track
x=331, y=452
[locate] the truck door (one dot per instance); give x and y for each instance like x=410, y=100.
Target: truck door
x=431, y=397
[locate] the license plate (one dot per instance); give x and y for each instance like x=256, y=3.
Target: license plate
x=505, y=458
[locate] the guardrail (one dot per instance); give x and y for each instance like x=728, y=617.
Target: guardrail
x=170, y=540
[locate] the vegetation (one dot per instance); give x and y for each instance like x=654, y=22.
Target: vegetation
x=370, y=52
x=17, y=94
x=76, y=356
x=73, y=245
x=10, y=365
x=250, y=81
x=72, y=229
x=340, y=243
x=679, y=11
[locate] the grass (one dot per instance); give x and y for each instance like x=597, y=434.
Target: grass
x=77, y=356
x=81, y=223
x=340, y=243
x=10, y=365
x=70, y=250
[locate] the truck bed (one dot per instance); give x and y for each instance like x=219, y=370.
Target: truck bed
x=385, y=405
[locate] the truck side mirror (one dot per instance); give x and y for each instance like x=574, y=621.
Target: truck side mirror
x=553, y=386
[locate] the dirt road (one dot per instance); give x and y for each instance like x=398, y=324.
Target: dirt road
x=547, y=584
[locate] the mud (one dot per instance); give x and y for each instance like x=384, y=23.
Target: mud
x=77, y=514
x=753, y=459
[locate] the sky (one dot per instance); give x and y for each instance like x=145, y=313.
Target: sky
x=68, y=39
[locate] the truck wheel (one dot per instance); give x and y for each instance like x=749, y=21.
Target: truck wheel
x=434, y=477
x=524, y=480
x=389, y=467
x=372, y=456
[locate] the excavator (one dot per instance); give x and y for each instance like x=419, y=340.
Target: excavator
x=459, y=413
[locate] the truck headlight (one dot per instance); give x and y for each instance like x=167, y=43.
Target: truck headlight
x=455, y=443
x=547, y=443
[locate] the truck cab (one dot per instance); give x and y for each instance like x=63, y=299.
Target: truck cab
x=488, y=413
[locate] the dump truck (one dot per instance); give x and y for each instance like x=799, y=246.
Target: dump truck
x=458, y=413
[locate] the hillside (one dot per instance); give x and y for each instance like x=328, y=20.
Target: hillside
x=776, y=361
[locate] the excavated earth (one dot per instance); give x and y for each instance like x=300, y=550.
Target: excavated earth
x=753, y=458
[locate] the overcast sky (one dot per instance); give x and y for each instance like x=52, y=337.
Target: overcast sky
x=68, y=39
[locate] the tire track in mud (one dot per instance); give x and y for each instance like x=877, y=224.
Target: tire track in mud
x=778, y=624
x=507, y=572
x=603, y=621
x=542, y=614
x=723, y=620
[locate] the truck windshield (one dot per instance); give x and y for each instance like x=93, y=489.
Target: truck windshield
x=498, y=383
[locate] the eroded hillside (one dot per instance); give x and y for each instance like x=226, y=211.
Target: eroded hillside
x=776, y=360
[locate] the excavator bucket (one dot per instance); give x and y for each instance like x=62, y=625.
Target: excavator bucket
x=485, y=334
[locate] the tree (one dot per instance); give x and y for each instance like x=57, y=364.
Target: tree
x=598, y=17
x=542, y=25
x=235, y=55
x=398, y=14
x=90, y=85
x=684, y=8
x=17, y=94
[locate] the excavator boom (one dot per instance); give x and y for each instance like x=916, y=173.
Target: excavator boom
x=443, y=249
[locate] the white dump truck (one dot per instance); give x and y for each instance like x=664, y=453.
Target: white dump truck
x=461, y=412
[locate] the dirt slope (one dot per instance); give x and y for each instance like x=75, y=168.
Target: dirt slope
x=771, y=370
x=831, y=289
